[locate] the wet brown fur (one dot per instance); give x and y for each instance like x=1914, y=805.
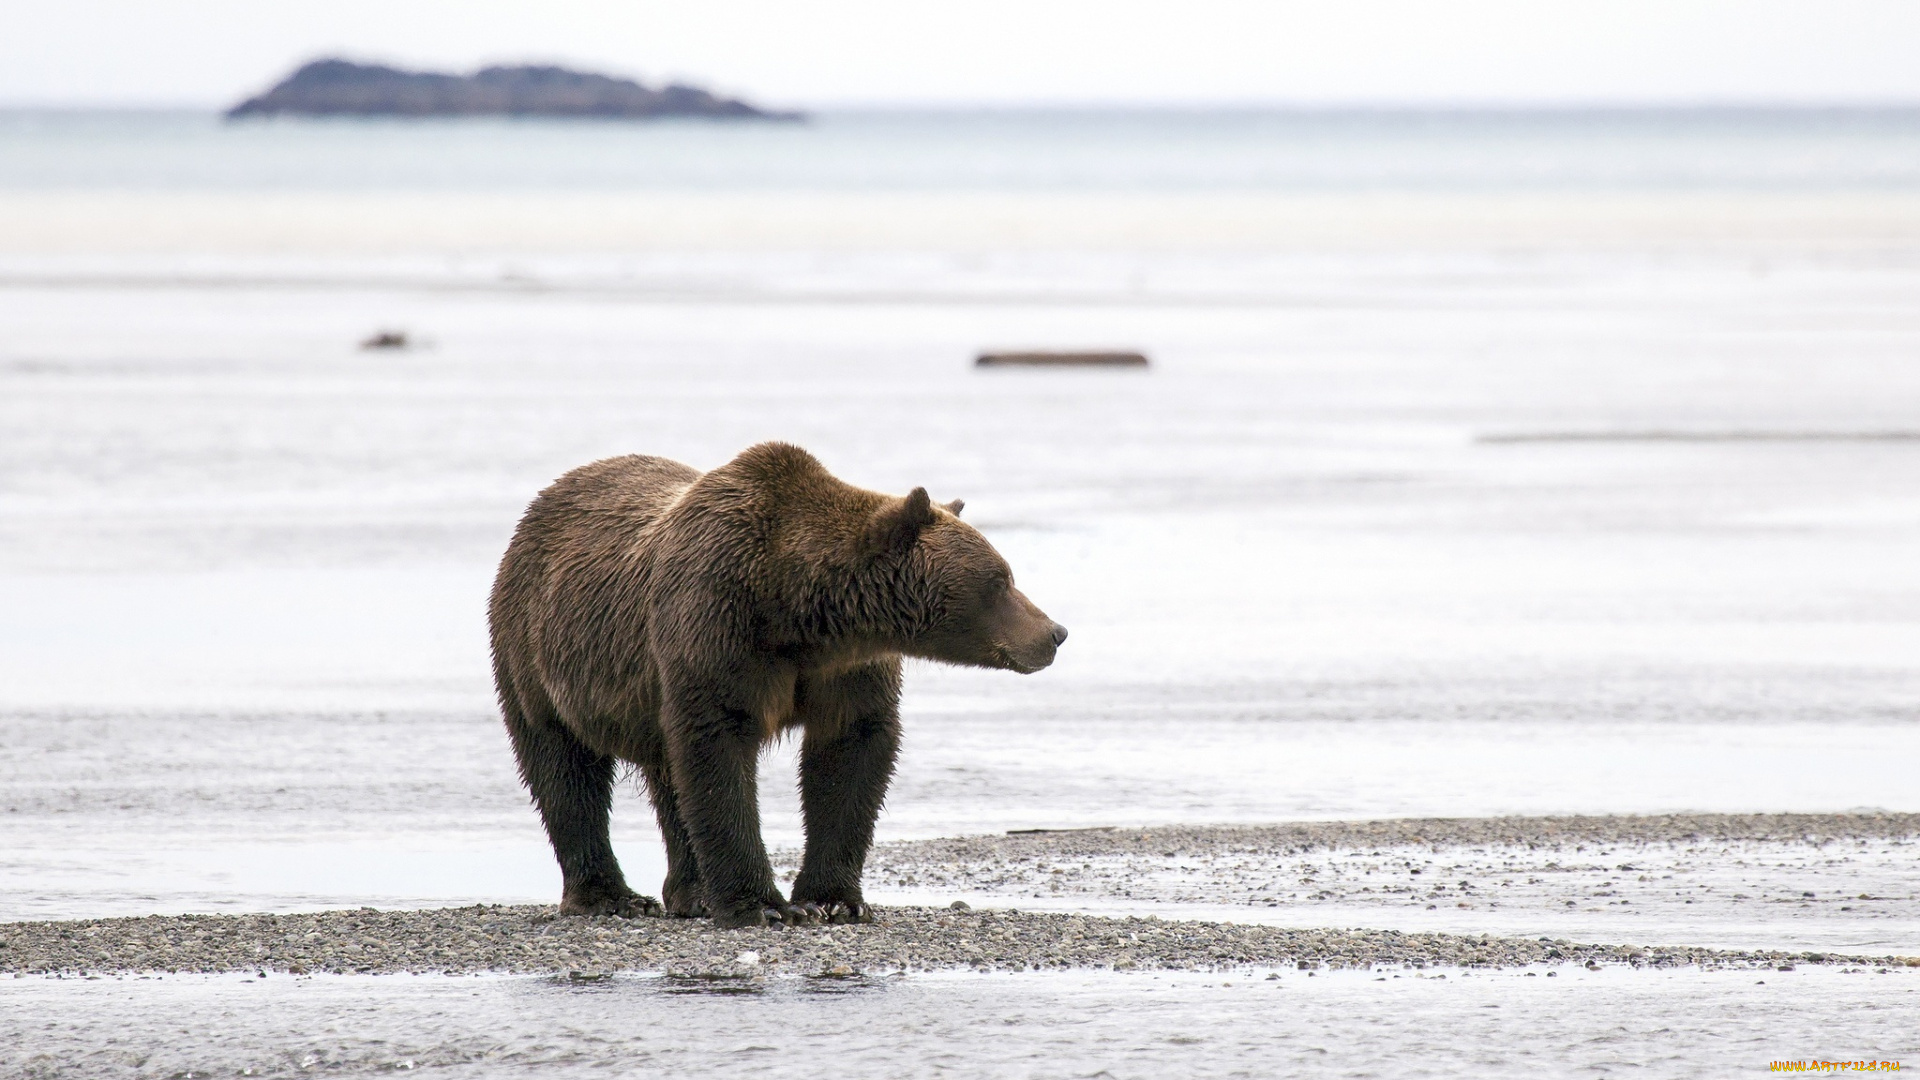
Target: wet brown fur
x=649, y=613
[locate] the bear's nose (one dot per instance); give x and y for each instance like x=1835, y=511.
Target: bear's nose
x=1059, y=635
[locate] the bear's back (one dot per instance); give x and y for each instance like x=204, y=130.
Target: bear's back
x=597, y=510
x=569, y=590
x=634, y=486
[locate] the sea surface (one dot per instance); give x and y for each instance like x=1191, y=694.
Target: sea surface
x=1811, y=149
x=1488, y=463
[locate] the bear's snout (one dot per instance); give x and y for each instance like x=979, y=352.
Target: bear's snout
x=1028, y=638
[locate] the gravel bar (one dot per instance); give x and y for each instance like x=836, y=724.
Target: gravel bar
x=536, y=940
x=1299, y=837
x=1735, y=881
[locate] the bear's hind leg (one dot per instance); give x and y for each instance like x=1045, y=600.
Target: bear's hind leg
x=573, y=787
x=846, y=762
x=683, y=893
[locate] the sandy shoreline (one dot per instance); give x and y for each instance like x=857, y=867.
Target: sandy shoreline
x=530, y=939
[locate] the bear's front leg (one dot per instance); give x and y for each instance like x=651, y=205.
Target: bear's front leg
x=846, y=762
x=713, y=751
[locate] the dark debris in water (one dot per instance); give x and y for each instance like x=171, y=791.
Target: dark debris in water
x=387, y=339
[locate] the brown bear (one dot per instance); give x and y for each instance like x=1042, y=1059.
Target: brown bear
x=650, y=613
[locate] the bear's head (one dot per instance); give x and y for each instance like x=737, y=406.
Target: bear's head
x=955, y=589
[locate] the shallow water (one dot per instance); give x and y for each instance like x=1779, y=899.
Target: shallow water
x=246, y=565
x=1403, y=1023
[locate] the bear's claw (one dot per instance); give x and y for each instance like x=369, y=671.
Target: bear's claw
x=837, y=912
x=793, y=915
x=774, y=916
x=841, y=914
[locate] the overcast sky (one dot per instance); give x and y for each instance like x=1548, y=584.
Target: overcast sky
x=823, y=52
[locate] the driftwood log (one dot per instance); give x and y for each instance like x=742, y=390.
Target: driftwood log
x=1040, y=358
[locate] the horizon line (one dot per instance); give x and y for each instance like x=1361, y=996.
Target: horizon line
x=1275, y=105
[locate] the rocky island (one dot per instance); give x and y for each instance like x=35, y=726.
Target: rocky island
x=336, y=87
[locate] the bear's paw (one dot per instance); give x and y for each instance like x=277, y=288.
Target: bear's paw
x=623, y=905
x=772, y=916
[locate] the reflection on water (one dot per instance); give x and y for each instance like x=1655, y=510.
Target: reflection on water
x=1433, y=1023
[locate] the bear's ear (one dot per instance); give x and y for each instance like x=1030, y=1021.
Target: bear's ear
x=898, y=524
x=956, y=506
